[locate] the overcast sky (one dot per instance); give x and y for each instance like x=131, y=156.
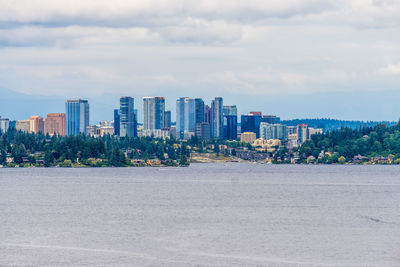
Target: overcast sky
x=259, y=54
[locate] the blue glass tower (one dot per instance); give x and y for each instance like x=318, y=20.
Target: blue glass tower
x=217, y=119
x=230, y=122
x=128, y=122
x=185, y=117
x=77, y=116
x=251, y=123
x=116, y=122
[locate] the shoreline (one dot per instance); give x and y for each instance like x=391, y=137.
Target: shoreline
x=200, y=162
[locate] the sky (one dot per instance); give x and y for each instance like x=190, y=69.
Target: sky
x=293, y=58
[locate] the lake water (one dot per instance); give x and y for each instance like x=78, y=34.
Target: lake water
x=235, y=214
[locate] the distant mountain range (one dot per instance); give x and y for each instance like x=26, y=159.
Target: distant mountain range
x=20, y=106
x=332, y=124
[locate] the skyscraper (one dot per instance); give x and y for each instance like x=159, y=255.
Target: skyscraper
x=167, y=119
x=207, y=114
x=55, y=123
x=36, y=124
x=153, y=113
x=77, y=116
x=251, y=123
x=271, y=119
x=185, y=118
x=128, y=122
x=217, y=119
x=199, y=110
x=116, y=122
x=203, y=130
x=230, y=122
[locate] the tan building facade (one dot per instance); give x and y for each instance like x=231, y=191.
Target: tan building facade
x=36, y=124
x=248, y=137
x=56, y=124
x=22, y=125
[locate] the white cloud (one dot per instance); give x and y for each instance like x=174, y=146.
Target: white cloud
x=75, y=35
x=252, y=47
x=202, y=31
x=390, y=69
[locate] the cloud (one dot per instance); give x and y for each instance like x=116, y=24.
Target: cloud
x=202, y=31
x=253, y=48
x=120, y=12
x=75, y=36
x=389, y=70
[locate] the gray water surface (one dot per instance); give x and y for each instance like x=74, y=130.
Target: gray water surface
x=235, y=214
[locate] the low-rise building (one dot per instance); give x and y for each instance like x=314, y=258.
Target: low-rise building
x=157, y=133
x=267, y=145
x=248, y=137
x=4, y=124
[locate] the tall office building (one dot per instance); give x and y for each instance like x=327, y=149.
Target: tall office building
x=77, y=116
x=4, y=124
x=185, y=118
x=167, y=119
x=251, y=123
x=128, y=121
x=273, y=131
x=230, y=122
x=271, y=119
x=116, y=122
x=217, y=119
x=153, y=113
x=36, y=124
x=199, y=110
x=203, y=130
x=207, y=114
x=55, y=124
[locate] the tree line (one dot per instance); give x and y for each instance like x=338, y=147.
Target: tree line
x=87, y=150
x=346, y=143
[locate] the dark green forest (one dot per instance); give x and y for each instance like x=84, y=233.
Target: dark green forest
x=66, y=151
x=377, y=141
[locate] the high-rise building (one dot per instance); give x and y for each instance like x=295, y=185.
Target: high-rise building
x=185, y=117
x=207, y=114
x=199, y=110
x=291, y=130
x=203, y=130
x=116, y=122
x=153, y=113
x=251, y=123
x=55, y=123
x=217, y=119
x=302, y=133
x=36, y=124
x=22, y=125
x=273, y=131
x=128, y=121
x=167, y=119
x=4, y=124
x=271, y=119
x=230, y=122
x=77, y=116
